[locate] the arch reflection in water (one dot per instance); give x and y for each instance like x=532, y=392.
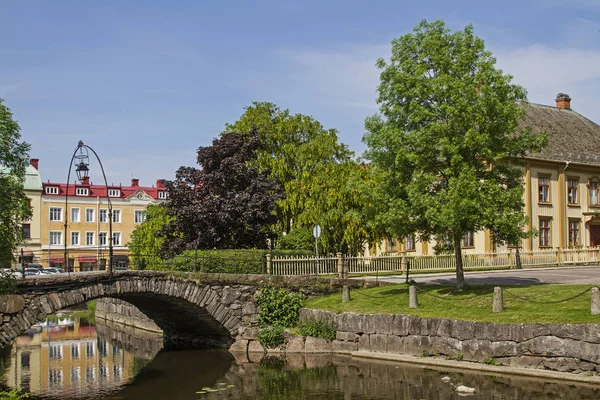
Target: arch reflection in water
x=76, y=359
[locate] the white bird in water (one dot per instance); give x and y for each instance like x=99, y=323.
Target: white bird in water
x=464, y=389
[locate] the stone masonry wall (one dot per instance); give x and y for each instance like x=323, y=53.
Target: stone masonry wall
x=559, y=347
x=121, y=312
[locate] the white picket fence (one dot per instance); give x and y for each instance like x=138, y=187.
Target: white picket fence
x=398, y=262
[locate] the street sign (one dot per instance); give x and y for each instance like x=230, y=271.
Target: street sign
x=317, y=231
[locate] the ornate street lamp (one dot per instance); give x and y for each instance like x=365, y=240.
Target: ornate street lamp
x=81, y=155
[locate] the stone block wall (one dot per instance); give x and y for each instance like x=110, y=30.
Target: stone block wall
x=559, y=347
x=124, y=313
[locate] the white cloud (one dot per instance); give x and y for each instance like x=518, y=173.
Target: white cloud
x=347, y=79
x=546, y=71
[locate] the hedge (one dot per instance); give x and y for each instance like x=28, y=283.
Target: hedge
x=237, y=261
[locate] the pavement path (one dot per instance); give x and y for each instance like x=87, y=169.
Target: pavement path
x=564, y=275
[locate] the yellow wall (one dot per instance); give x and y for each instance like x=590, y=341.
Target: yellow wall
x=127, y=208
x=557, y=210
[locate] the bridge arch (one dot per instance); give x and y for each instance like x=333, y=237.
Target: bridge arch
x=206, y=313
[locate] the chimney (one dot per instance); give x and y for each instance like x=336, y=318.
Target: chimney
x=34, y=163
x=563, y=101
x=85, y=180
x=135, y=182
x=159, y=184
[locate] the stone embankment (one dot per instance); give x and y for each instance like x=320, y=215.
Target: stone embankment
x=121, y=312
x=558, y=347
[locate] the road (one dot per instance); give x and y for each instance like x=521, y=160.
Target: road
x=564, y=275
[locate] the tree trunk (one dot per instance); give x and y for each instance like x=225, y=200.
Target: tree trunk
x=460, y=275
x=518, y=258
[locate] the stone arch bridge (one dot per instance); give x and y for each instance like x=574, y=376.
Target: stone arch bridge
x=203, y=312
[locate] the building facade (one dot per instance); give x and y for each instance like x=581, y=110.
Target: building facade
x=562, y=185
x=86, y=212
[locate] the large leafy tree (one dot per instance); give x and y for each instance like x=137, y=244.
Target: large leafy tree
x=446, y=141
x=295, y=148
x=320, y=179
x=14, y=204
x=228, y=204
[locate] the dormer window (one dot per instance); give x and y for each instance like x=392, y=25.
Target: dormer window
x=51, y=190
x=114, y=193
x=81, y=191
x=163, y=195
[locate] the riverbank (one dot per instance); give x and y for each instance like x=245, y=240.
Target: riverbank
x=571, y=349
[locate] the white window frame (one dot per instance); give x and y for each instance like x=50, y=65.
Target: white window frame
x=102, y=234
x=78, y=214
x=55, y=351
x=78, y=235
x=75, y=351
x=82, y=191
x=88, y=346
x=76, y=372
x=117, y=235
x=141, y=213
x=100, y=213
x=116, y=213
x=93, y=219
x=60, y=214
x=93, y=238
x=51, y=190
x=163, y=194
x=59, y=233
x=114, y=192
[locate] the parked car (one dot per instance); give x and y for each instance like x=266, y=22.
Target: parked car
x=46, y=271
x=120, y=268
x=32, y=271
x=51, y=271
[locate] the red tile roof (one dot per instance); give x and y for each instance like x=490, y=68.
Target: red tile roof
x=100, y=190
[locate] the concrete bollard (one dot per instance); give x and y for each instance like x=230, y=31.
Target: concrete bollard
x=595, y=301
x=345, y=294
x=412, y=297
x=498, y=300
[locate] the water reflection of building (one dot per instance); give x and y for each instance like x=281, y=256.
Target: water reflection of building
x=67, y=360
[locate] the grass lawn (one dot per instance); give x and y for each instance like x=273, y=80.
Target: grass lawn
x=473, y=304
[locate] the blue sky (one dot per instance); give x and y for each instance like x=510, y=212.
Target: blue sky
x=145, y=83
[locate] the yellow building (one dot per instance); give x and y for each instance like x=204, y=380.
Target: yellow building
x=86, y=213
x=562, y=185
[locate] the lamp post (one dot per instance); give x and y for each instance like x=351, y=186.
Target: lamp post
x=81, y=155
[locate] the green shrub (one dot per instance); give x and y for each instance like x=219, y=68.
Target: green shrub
x=297, y=239
x=319, y=329
x=279, y=307
x=271, y=337
x=234, y=261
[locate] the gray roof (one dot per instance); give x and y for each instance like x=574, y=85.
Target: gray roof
x=33, y=179
x=571, y=136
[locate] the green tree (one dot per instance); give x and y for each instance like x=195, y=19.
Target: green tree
x=295, y=147
x=321, y=180
x=14, y=204
x=446, y=142
x=145, y=241
x=228, y=204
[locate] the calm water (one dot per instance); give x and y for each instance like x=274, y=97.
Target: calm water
x=81, y=360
